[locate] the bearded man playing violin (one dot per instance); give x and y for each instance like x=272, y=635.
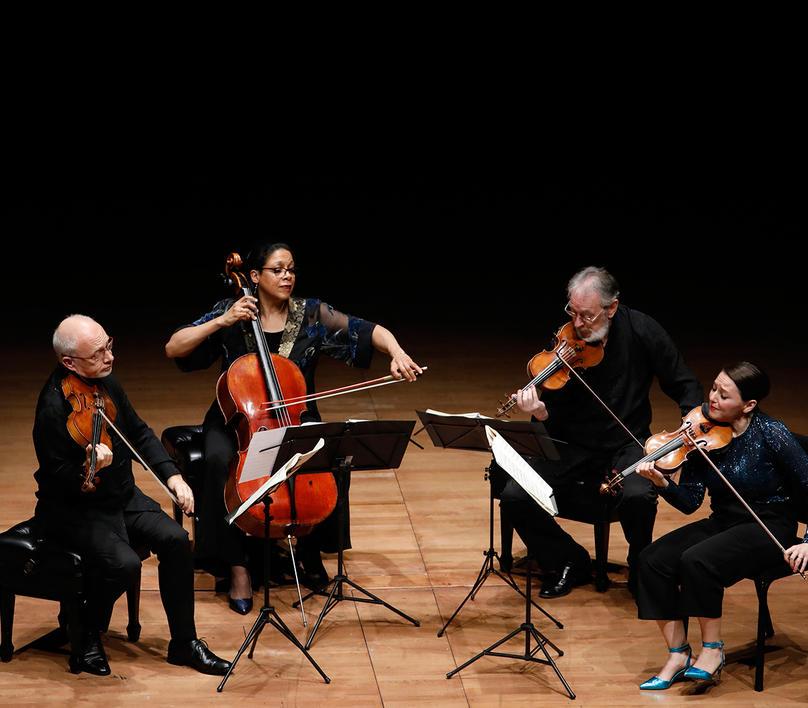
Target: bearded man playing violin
x=635, y=350
x=103, y=520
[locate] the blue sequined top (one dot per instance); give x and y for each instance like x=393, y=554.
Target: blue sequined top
x=765, y=464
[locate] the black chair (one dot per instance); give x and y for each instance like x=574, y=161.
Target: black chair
x=765, y=629
x=33, y=566
x=589, y=508
x=185, y=444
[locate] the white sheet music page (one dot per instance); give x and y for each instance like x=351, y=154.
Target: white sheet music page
x=295, y=461
x=261, y=454
x=514, y=464
x=458, y=415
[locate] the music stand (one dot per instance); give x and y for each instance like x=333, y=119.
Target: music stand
x=465, y=433
x=267, y=614
x=357, y=445
x=541, y=492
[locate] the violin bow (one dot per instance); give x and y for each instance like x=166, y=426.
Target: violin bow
x=352, y=388
x=746, y=506
x=171, y=494
x=601, y=401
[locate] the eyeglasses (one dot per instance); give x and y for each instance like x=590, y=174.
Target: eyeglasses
x=589, y=319
x=278, y=272
x=97, y=355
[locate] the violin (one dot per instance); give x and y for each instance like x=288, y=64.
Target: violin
x=86, y=424
x=550, y=368
x=263, y=391
x=668, y=450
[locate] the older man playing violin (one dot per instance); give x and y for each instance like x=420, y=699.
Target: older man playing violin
x=103, y=520
x=636, y=349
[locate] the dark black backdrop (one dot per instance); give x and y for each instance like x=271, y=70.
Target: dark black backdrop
x=710, y=252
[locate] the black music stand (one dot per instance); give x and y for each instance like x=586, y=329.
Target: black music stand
x=526, y=438
x=358, y=445
x=464, y=433
x=267, y=614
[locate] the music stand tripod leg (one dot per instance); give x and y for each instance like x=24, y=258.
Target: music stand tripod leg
x=267, y=613
x=488, y=565
x=336, y=595
x=529, y=655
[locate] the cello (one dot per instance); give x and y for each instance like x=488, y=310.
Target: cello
x=252, y=395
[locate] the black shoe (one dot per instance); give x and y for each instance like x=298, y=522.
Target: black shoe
x=241, y=605
x=571, y=575
x=313, y=573
x=525, y=565
x=314, y=581
x=196, y=655
x=92, y=659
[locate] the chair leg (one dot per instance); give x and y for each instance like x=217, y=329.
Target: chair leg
x=133, y=606
x=764, y=630
x=7, y=599
x=506, y=543
x=601, y=555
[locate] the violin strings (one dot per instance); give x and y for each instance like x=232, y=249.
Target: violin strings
x=546, y=373
x=659, y=453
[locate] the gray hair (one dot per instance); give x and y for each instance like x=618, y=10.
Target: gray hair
x=598, y=279
x=64, y=338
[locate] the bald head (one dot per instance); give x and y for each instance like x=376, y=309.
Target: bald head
x=82, y=345
x=71, y=331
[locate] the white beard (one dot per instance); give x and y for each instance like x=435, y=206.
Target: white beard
x=599, y=334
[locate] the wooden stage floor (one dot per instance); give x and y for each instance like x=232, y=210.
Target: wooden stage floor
x=418, y=537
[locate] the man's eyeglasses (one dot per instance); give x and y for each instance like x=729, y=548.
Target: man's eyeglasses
x=97, y=355
x=278, y=272
x=589, y=319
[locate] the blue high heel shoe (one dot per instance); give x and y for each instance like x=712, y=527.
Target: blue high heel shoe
x=700, y=674
x=658, y=684
x=242, y=606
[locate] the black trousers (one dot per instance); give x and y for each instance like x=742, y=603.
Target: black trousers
x=575, y=479
x=105, y=541
x=684, y=573
x=221, y=543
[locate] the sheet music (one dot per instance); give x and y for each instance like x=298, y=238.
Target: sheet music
x=514, y=464
x=458, y=415
x=261, y=454
x=297, y=460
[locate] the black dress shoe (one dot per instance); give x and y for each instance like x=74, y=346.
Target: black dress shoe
x=241, y=605
x=196, y=655
x=313, y=573
x=571, y=575
x=314, y=581
x=92, y=659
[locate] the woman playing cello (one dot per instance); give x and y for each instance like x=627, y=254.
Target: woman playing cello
x=684, y=573
x=296, y=328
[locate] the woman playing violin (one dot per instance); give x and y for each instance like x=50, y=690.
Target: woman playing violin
x=299, y=329
x=684, y=573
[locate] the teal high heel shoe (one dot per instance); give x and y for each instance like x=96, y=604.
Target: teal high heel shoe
x=700, y=674
x=657, y=684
